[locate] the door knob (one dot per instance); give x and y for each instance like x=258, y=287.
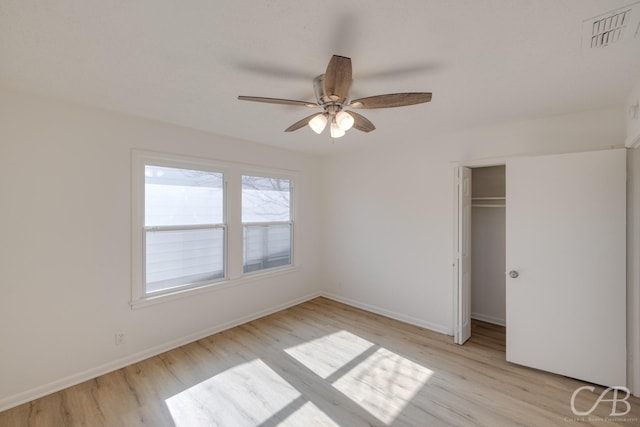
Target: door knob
x=513, y=274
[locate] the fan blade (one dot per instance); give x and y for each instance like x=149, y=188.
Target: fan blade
x=361, y=122
x=277, y=101
x=391, y=100
x=300, y=123
x=337, y=78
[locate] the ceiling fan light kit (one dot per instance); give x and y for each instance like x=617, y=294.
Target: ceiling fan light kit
x=318, y=122
x=331, y=90
x=335, y=130
x=344, y=120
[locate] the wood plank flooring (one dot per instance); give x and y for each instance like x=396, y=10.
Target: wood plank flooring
x=323, y=363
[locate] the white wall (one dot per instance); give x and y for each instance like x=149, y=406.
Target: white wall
x=65, y=256
x=389, y=211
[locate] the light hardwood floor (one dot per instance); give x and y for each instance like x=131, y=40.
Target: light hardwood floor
x=324, y=363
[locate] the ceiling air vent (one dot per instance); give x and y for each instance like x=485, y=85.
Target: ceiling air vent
x=612, y=27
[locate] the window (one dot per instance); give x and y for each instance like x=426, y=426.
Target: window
x=199, y=224
x=266, y=222
x=184, y=230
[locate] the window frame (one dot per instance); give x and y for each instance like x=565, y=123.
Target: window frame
x=141, y=159
x=232, y=218
x=290, y=222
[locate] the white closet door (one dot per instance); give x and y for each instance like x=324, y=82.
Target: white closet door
x=566, y=239
x=463, y=255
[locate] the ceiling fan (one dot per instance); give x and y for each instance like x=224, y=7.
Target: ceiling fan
x=332, y=89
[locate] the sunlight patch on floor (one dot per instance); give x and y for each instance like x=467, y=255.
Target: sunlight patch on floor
x=384, y=383
x=379, y=380
x=309, y=415
x=326, y=355
x=245, y=395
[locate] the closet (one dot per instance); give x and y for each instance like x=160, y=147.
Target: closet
x=488, y=244
x=563, y=244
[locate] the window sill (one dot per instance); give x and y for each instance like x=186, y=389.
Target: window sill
x=210, y=287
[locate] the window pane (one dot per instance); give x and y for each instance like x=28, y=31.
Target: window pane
x=182, y=196
x=265, y=199
x=181, y=257
x=266, y=246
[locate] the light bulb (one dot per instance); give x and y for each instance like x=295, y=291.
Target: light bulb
x=336, y=132
x=344, y=120
x=318, y=123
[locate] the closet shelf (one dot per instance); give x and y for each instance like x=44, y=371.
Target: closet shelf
x=488, y=202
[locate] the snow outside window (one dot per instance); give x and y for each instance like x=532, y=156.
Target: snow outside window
x=184, y=230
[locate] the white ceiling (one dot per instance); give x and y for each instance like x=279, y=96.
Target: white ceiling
x=185, y=62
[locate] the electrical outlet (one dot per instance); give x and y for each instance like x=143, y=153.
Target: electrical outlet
x=119, y=338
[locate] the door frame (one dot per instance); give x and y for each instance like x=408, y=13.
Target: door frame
x=481, y=163
x=633, y=269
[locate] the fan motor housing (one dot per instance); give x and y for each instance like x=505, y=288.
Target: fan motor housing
x=319, y=89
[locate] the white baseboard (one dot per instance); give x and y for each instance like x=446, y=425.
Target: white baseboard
x=489, y=319
x=52, y=387
x=392, y=314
